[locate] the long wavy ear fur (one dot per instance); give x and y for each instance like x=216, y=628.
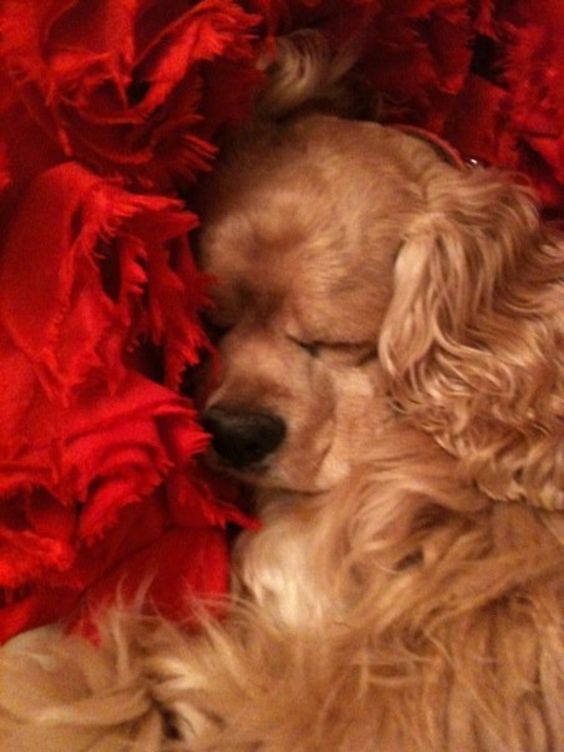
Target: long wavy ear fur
x=473, y=340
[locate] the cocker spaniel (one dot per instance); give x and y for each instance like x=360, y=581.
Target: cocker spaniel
x=391, y=331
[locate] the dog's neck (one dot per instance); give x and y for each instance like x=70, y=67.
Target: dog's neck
x=274, y=563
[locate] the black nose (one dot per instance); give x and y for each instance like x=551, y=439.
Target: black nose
x=242, y=438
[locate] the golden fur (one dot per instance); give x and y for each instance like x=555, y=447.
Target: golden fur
x=406, y=591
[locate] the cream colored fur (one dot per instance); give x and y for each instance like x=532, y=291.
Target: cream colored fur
x=406, y=591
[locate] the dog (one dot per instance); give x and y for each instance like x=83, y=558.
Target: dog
x=390, y=328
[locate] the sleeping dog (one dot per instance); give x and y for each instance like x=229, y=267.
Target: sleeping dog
x=390, y=327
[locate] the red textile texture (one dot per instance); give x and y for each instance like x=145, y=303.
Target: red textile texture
x=109, y=111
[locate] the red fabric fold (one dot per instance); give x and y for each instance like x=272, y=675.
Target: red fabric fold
x=90, y=275
x=117, y=84
x=101, y=250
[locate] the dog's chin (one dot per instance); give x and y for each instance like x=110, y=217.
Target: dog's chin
x=251, y=474
x=265, y=475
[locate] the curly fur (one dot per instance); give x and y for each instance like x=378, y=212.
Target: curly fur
x=405, y=591
x=474, y=334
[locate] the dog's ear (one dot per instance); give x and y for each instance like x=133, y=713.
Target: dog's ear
x=471, y=238
x=472, y=341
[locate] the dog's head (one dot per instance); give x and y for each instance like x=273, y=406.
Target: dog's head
x=358, y=273
x=302, y=241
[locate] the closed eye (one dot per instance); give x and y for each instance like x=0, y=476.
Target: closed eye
x=312, y=348
x=359, y=352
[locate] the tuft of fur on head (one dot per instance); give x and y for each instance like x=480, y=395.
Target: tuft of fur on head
x=306, y=75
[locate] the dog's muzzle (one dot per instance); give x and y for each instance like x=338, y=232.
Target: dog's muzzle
x=242, y=438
